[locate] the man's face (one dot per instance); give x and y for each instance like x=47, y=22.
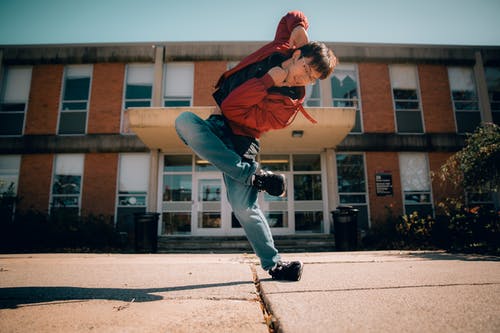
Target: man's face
x=300, y=73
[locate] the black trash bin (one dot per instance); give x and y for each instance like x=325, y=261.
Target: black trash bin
x=146, y=232
x=345, y=228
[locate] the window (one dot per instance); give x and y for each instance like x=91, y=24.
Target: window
x=416, y=183
x=14, y=100
x=493, y=82
x=351, y=183
x=138, y=88
x=67, y=185
x=275, y=209
x=133, y=178
x=464, y=98
x=9, y=176
x=177, y=193
x=179, y=81
x=344, y=82
x=307, y=193
x=139, y=85
x=405, y=94
x=313, y=95
x=75, y=102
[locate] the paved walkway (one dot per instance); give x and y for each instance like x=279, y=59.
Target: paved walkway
x=339, y=292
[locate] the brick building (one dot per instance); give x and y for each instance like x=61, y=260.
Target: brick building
x=88, y=129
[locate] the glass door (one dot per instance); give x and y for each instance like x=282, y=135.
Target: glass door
x=209, y=204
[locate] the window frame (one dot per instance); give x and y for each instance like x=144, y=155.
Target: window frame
x=3, y=87
x=401, y=111
x=358, y=127
x=62, y=111
x=365, y=193
x=427, y=192
x=174, y=99
x=457, y=112
x=56, y=209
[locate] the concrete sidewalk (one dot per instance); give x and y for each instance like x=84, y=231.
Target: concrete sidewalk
x=339, y=292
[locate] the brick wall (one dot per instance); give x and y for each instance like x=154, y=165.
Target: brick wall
x=44, y=99
x=206, y=74
x=99, y=184
x=35, y=177
x=376, y=96
x=436, y=99
x=106, y=98
x=383, y=161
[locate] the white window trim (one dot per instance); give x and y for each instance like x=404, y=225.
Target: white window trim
x=61, y=101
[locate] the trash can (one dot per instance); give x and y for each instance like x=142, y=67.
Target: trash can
x=345, y=228
x=146, y=232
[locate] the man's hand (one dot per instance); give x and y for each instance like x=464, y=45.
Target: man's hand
x=279, y=76
x=298, y=37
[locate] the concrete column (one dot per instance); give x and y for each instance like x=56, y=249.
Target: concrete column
x=153, y=180
x=155, y=154
x=482, y=89
x=158, y=76
x=325, y=90
x=331, y=184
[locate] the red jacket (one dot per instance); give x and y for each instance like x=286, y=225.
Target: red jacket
x=250, y=109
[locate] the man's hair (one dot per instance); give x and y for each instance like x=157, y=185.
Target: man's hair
x=323, y=59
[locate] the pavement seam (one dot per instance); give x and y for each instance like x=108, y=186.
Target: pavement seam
x=386, y=288
x=271, y=321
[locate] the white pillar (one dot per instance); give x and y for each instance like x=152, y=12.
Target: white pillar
x=331, y=184
x=155, y=154
x=482, y=89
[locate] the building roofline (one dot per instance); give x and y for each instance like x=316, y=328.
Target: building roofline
x=236, y=50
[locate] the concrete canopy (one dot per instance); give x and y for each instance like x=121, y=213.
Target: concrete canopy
x=155, y=127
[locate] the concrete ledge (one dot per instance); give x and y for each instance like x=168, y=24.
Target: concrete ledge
x=92, y=143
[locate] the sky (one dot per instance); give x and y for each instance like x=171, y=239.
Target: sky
x=437, y=22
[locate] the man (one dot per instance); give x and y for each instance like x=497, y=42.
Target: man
x=264, y=91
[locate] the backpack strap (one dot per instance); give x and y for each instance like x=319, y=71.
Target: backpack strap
x=307, y=115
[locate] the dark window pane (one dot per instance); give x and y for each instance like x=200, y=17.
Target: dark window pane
x=467, y=121
x=77, y=89
x=409, y=122
x=307, y=187
x=177, y=103
x=464, y=95
x=466, y=106
x=11, y=123
x=12, y=107
x=135, y=104
x=309, y=221
x=176, y=223
x=405, y=94
x=138, y=92
x=72, y=123
x=306, y=162
x=74, y=106
x=405, y=105
x=350, y=173
x=178, y=163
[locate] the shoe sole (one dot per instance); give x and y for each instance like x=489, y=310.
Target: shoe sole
x=300, y=271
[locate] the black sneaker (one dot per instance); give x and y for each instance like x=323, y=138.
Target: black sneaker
x=290, y=271
x=274, y=184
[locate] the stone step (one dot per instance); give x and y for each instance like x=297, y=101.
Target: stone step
x=218, y=244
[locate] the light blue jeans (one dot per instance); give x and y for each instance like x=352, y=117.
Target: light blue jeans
x=213, y=140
